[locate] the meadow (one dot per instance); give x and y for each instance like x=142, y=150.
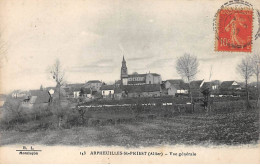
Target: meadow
x=222, y=128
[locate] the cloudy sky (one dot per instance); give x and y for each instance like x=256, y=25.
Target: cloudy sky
x=91, y=37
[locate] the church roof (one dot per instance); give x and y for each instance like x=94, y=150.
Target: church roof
x=137, y=75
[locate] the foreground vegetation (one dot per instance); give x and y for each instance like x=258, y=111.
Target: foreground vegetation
x=140, y=126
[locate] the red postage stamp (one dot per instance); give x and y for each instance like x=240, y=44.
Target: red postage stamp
x=234, y=30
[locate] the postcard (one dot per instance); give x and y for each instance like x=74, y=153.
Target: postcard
x=129, y=82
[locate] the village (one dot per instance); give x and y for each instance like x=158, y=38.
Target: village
x=136, y=110
x=131, y=86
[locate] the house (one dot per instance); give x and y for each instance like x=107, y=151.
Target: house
x=147, y=90
x=68, y=92
x=107, y=91
x=215, y=85
x=94, y=85
x=176, y=87
x=211, y=87
x=118, y=93
x=118, y=83
x=19, y=94
x=72, y=90
x=37, y=98
x=76, y=92
x=229, y=88
x=85, y=92
x=195, y=88
x=229, y=85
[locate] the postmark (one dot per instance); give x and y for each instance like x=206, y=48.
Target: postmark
x=234, y=27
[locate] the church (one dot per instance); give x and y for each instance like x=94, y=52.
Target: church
x=138, y=79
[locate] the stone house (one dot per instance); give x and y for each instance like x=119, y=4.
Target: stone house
x=176, y=87
x=95, y=85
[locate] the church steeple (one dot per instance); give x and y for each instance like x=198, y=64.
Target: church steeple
x=124, y=73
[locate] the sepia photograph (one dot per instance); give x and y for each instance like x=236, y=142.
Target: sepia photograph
x=135, y=81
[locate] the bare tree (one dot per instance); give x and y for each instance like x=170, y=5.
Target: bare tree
x=245, y=69
x=57, y=73
x=187, y=67
x=255, y=62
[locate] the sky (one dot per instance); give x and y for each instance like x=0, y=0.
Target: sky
x=91, y=37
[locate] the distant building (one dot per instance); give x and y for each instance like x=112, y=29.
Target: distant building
x=138, y=79
x=94, y=85
x=212, y=87
x=37, y=98
x=229, y=85
x=195, y=88
x=108, y=91
x=229, y=88
x=118, y=83
x=19, y=94
x=72, y=90
x=76, y=92
x=118, y=93
x=176, y=87
x=85, y=92
x=147, y=90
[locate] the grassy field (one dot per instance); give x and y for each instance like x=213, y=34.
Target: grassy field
x=193, y=129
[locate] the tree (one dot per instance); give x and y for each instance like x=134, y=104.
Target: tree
x=82, y=92
x=255, y=62
x=187, y=67
x=57, y=73
x=245, y=69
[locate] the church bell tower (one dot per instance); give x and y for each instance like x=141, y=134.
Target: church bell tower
x=124, y=74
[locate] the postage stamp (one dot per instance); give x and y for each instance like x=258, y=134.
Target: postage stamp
x=234, y=30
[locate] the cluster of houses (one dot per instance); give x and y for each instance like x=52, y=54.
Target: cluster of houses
x=129, y=86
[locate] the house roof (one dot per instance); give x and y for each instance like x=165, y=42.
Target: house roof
x=135, y=74
x=39, y=96
x=175, y=81
x=185, y=86
x=195, y=84
x=155, y=74
x=94, y=81
x=226, y=84
x=77, y=89
x=142, y=88
x=107, y=87
x=206, y=85
x=178, y=84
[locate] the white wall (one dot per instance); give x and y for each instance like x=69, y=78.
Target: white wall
x=107, y=92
